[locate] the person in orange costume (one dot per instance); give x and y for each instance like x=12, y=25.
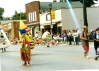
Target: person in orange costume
x=25, y=50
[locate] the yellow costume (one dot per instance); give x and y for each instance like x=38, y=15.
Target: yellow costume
x=25, y=39
x=25, y=50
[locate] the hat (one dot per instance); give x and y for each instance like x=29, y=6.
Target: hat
x=84, y=27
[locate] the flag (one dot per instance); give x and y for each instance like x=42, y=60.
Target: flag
x=53, y=14
x=22, y=31
x=22, y=25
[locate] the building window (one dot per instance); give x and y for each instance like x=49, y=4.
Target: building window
x=32, y=16
x=29, y=17
x=48, y=17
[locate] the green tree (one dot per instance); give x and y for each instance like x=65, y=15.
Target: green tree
x=6, y=18
x=1, y=13
x=18, y=16
x=88, y=2
x=23, y=15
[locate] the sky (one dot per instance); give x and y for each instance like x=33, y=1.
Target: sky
x=19, y=5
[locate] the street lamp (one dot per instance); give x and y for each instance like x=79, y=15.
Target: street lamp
x=50, y=8
x=85, y=14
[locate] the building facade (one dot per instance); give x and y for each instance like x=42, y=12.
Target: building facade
x=11, y=28
x=65, y=18
x=35, y=19
x=32, y=16
x=45, y=21
x=71, y=22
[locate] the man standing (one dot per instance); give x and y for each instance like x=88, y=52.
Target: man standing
x=84, y=41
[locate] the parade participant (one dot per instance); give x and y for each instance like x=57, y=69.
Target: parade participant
x=95, y=37
x=47, y=37
x=25, y=51
x=25, y=41
x=84, y=41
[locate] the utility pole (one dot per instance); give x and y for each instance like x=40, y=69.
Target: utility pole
x=85, y=14
x=51, y=27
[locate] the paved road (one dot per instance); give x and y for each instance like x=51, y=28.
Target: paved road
x=64, y=57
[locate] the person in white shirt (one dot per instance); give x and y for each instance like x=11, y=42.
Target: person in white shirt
x=55, y=37
x=74, y=34
x=36, y=35
x=76, y=37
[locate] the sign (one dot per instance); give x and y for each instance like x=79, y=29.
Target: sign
x=53, y=14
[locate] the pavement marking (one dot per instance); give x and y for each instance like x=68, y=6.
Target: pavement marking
x=74, y=57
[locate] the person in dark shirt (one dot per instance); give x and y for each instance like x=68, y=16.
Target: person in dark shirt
x=95, y=37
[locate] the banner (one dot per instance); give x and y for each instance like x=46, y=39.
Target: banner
x=53, y=14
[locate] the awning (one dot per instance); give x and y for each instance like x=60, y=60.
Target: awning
x=33, y=24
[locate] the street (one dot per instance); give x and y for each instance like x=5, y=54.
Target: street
x=63, y=57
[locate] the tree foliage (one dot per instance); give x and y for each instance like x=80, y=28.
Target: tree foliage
x=18, y=16
x=88, y=2
x=1, y=13
x=6, y=18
